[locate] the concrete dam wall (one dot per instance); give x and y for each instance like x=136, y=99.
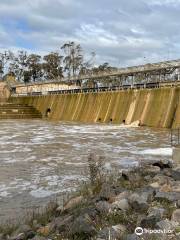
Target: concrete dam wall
x=152, y=107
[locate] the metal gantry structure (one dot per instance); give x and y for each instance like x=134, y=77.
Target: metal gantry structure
x=144, y=76
x=157, y=72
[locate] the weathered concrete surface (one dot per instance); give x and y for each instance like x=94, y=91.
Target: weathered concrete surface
x=18, y=111
x=176, y=156
x=152, y=107
x=4, y=92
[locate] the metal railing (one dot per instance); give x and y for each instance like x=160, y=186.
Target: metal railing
x=150, y=85
x=175, y=137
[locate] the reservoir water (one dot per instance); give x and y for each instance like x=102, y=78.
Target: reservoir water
x=41, y=159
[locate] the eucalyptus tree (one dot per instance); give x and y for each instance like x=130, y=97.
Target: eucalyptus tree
x=5, y=59
x=20, y=65
x=34, y=71
x=86, y=67
x=73, y=59
x=52, y=66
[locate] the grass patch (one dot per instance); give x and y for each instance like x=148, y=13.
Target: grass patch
x=42, y=215
x=8, y=228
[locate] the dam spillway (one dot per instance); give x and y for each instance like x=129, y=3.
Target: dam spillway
x=152, y=107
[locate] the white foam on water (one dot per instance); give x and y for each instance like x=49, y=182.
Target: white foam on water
x=75, y=163
x=4, y=194
x=41, y=193
x=157, y=152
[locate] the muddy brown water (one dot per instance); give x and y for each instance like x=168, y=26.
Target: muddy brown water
x=40, y=160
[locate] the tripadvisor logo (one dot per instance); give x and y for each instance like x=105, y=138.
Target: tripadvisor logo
x=139, y=231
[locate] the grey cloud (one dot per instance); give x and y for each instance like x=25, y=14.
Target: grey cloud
x=119, y=31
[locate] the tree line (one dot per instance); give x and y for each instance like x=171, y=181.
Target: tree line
x=68, y=62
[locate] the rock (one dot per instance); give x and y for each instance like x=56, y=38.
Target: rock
x=163, y=164
x=167, y=172
x=121, y=204
x=162, y=179
x=176, y=175
x=166, y=188
x=90, y=210
x=114, y=232
x=44, y=230
x=176, y=186
x=166, y=225
x=73, y=202
x=60, y=223
x=21, y=236
x=155, y=185
x=157, y=211
x=30, y=234
x=103, y=207
x=138, y=203
x=147, y=178
x=131, y=237
x=150, y=221
x=120, y=196
x=131, y=176
x=24, y=230
x=176, y=216
x=147, y=193
x=153, y=169
x=168, y=196
x=82, y=226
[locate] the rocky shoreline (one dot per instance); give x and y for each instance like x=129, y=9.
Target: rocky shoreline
x=139, y=203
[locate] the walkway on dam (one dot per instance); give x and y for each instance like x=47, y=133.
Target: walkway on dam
x=150, y=85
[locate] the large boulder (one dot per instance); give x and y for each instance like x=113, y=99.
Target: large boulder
x=166, y=225
x=168, y=196
x=150, y=221
x=120, y=196
x=138, y=203
x=120, y=205
x=103, y=207
x=82, y=228
x=73, y=202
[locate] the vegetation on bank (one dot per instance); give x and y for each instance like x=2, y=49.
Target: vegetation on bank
x=111, y=206
x=68, y=61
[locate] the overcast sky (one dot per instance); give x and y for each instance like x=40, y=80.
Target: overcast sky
x=121, y=32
